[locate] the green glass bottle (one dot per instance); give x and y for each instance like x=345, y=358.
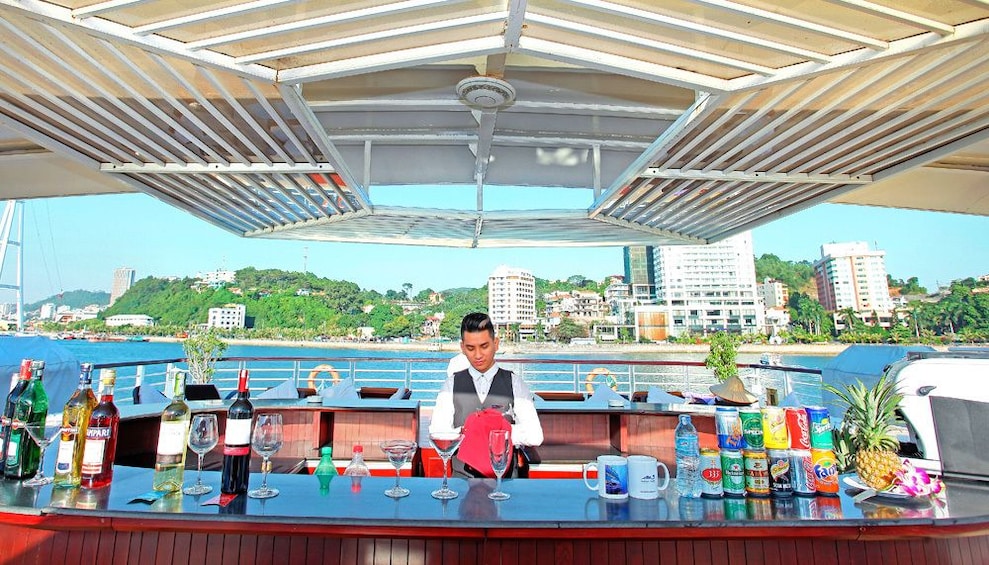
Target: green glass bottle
x=325, y=470
x=173, y=434
x=32, y=408
x=75, y=420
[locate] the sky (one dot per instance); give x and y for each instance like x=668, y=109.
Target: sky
x=77, y=242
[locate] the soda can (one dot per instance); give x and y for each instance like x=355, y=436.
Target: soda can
x=784, y=508
x=825, y=471
x=732, y=473
x=751, y=419
x=829, y=508
x=735, y=509
x=798, y=427
x=729, y=427
x=774, y=428
x=780, y=481
x=756, y=473
x=802, y=473
x=820, y=427
x=759, y=509
x=806, y=507
x=711, y=474
x=714, y=509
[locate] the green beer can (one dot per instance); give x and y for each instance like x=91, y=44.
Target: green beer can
x=751, y=427
x=732, y=473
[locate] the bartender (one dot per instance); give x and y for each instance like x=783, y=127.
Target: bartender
x=484, y=384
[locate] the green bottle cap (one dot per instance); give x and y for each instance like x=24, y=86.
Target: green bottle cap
x=326, y=450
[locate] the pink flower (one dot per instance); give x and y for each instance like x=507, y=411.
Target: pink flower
x=916, y=482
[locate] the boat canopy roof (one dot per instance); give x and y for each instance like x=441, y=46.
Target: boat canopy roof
x=497, y=123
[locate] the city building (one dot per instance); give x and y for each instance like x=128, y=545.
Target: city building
x=228, y=317
x=123, y=279
x=129, y=320
x=640, y=274
x=47, y=311
x=774, y=293
x=578, y=304
x=512, y=299
x=709, y=288
x=851, y=276
x=217, y=277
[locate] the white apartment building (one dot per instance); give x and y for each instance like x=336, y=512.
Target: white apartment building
x=774, y=293
x=123, y=279
x=580, y=304
x=512, y=296
x=708, y=288
x=850, y=275
x=217, y=277
x=229, y=317
x=129, y=320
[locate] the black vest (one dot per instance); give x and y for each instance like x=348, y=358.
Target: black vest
x=465, y=403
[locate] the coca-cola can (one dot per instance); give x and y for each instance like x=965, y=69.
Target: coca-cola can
x=802, y=472
x=798, y=427
x=711, y=474
x=780, y=481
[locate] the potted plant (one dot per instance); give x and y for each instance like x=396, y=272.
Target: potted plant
x=201, y=352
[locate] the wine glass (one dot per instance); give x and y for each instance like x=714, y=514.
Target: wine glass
x=399, y=451
x=500, y=449
x=446, y=443
x=43, y=434
x=266, y=441
x=202, y=439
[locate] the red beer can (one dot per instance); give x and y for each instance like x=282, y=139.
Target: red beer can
x=798, y=427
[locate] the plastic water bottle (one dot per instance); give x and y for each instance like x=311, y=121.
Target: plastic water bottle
x=688, y=458
x=356, y=469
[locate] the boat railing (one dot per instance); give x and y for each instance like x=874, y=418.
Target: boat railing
x=425, y=376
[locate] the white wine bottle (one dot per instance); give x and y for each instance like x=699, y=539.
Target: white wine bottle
x=172, y=437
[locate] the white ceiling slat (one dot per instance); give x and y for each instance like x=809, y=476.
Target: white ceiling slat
x=233, y=196
x=303, y=24
x=895, y=15
x=45, y=132
x=103, y=7
x=209, y=15
x=238, y=109
x=172, y=187
x=274, y=206
x=652, y=44
x=313, y=186
x=683, y=197
x=515, y=23
x=276, y=117
x=936, y=136
x=755, y=177
x=697, y=138
x=978, y=135
x=216, y=168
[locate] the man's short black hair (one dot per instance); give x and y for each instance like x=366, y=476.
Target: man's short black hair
x=477, y=322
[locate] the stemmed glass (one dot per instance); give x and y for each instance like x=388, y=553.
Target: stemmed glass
x=446, y=443
x=43, y=434
x=266, y=441
x=399, y=451
x=202, y=439
x=500, y=449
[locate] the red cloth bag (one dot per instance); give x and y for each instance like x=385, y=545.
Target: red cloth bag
x=474, y=448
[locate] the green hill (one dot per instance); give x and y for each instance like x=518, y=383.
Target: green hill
x=73, y=299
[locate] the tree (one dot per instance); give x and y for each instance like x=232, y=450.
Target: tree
x=201, y=352
x=569, y=329
x=406, y=290
x=723, y=355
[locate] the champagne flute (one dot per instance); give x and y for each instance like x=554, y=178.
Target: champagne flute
x=203, y=437
x=43, y=434
x=446, y=443
x=266, y=441
x=500, y=449
x=399, y=451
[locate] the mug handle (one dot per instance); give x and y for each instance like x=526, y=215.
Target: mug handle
x=666, y=475
x=587, y=466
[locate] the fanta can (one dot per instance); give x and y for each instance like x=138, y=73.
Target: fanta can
x=825, y=471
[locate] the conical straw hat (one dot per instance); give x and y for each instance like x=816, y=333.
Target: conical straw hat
x=732, y=390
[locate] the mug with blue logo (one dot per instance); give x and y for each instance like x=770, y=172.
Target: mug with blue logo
x=612, y=476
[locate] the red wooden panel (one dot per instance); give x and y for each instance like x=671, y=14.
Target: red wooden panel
x=348, y=551
x=88, y=546
x=546, y=551
x=365, y=550
x=297, y=549
x=369, y=429
x=231, y=549
x=434, y=552
x=616, y=552
x=633, y=553
x=736, y=552
x=806, y=549
x=719, y=552
x=582, y=553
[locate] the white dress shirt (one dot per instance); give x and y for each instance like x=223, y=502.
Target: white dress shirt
x=525, y=431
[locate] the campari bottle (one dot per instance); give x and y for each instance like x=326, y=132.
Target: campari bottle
x=23, y=453
x=8, y=410
x=173, y=433
x=237, y=441
x=101, y=436
x=75, y=421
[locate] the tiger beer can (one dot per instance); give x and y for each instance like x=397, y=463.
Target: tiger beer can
x=751, y=420
x=774, y=431
x=825, y=471
x=780, y=475
x=711, y=474
x=798, y=428
x=820, y=427
x=735, y=509
x=806, y=507
x=802, y=472
x=756, y=473
x=729, y=427
x=732, y=473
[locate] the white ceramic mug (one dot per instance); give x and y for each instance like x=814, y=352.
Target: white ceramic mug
x=643, y=477
x=612, y=476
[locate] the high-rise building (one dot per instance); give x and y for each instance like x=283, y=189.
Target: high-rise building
x=705, y=288
x=123, y=279
x=850, y=275
x=229, y=317
x=511, y=296
x=774, y=293
x=640, y=274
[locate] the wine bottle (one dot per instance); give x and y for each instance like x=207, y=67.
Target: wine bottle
x=173, y=433
x=75, y=420
x=8, y=410
x=237, y=441
x=32, y=408
x=101, y=436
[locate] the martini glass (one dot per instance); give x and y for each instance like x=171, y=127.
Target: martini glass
x=43, y=434
x=446, y=443
x=399, y=451
x=500, y=449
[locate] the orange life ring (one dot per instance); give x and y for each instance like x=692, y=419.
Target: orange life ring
x=322, y=369
x=609, y=379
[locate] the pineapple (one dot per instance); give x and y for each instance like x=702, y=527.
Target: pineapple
x=869, y=418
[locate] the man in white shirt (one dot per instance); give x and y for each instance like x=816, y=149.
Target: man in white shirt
x=484, y=384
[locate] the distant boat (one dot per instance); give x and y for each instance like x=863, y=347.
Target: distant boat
x=136, y=338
